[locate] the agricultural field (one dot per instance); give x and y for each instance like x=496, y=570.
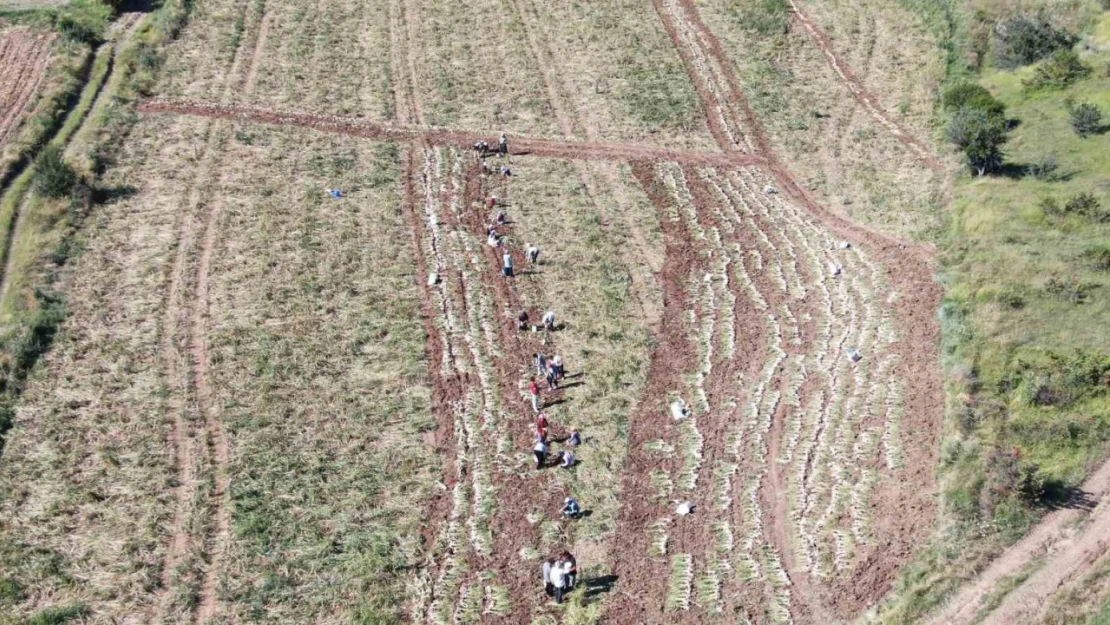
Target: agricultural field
x=24, y=58
x=270, y=368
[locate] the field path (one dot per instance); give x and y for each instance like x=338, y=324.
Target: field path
x=867, y=99
x=256, y=55
x=534, y=146
x=1069, y=556
x=569, y=118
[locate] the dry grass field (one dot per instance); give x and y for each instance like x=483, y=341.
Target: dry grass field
x=290, y=385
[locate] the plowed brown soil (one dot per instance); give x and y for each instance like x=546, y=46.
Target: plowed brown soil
x=24, y=56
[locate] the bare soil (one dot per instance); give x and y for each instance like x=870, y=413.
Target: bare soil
x=24, y=57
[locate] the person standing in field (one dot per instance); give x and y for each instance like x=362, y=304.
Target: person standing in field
x=533, y=255
x=522, y=320
x=552, y=381
x=541, y=363
x=570, y=566
x=549, y=320
x=559, y=581
x=541, y=426
x=503, y=145
x=548, y=588
x=534, y=389
x=507, y=260
x=557, y=363
x=539, y=450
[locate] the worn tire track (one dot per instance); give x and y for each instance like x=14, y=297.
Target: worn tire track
x=866, y=99
x=1049, y=534
x=550, y=148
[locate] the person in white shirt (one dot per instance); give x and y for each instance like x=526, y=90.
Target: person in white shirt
x=507, y=269
x=559, y=581
x=540, y=451
x=549, y=320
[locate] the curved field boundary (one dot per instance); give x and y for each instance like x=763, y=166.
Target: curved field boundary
x=861, y=93
x=1067, y=563
x=550, y=148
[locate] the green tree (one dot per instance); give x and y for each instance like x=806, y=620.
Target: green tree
x=1086, y=119
x=1024, y=39
x=971, y=95
x=980, y=136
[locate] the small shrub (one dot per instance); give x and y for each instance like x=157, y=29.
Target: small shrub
x=53, y=176
x=1050, y=206
x=980, y=136
x=1044, y=168
x=1085, y=204
x=1097, y=257
x=1071, y=291
x=1025, y=39
x=83, y=21
x=1059, y=71
x=59, y=615
x=971, y=95
x=1011, y=297
x=1086, y=119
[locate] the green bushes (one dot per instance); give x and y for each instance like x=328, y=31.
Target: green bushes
x=1063, y=68
x=1097, y=257
x=1085, y=118
x=980, y=136
x=1081, y=204
x=84, y=21
x=1024, y=39
x=970, y=95
x=54, y=177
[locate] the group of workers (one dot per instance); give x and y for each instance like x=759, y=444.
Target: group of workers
x=559, y=574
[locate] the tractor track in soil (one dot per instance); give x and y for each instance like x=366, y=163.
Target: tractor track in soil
x=591, y=180
x=185, y=357
x=522, y=146
x=863, y=95
x=673, y=356
x=1069, y=555
x=910, y=270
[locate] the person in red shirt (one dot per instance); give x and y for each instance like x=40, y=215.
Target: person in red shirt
x=535, y=390
x=541, y=425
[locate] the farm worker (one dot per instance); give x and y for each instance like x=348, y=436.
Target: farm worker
x=539, y=450
x=552, y=380
x=501, y=218
x=522, y=320
x=559, y=581
x=533, y=254
x=492, y=201
x=547, y=586
x=568, y=460
x=541, y=425
x=505, y=171
x=571, y=509
x=575, y=438
x=541, y=363
x=492, y=239
x=571, y=567
x=549, y=320
x=335, y=193
x=534, y=389
x=507, y=268
x=503, y=144
x=557, y=362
